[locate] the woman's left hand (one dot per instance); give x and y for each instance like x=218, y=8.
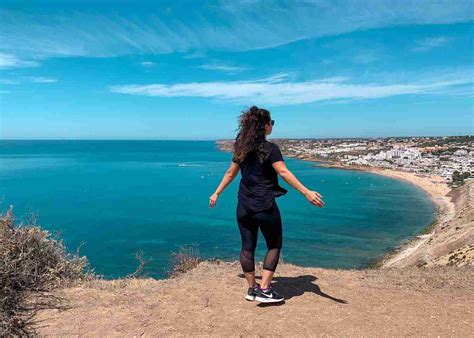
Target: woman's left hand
x=213, y=200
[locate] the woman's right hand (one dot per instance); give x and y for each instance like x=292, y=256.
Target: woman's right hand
x=314, y=198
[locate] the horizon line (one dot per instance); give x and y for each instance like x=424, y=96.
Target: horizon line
x=221, y=139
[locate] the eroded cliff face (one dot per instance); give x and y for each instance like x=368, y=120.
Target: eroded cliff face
x=452, y=240
x=225, y=145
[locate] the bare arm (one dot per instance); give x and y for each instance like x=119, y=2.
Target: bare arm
x=312, y=196
x=229, y=176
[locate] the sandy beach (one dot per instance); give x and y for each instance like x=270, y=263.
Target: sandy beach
x=439, y=239
x=435, y=186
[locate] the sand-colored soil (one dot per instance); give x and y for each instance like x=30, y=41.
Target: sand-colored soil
x=209, y=300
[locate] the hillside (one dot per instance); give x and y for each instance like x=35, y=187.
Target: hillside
x=210, y=300
x=450, y=242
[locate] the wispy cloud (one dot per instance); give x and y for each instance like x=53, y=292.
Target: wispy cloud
x=147, y=64
x=430, y=43
x=28, y=79
x=41, y=79
x=223, y=68
x=11, y=61
x=8, y=81
x=279, y=77
x=231, y=26
x=194, y=55
x=280, y=92
x=365, y=57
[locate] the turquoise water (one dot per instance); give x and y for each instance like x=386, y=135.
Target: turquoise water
x=120, y=197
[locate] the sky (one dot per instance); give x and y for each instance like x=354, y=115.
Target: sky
x=187, y=69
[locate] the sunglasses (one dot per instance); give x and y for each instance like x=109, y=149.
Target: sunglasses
x=272, y=122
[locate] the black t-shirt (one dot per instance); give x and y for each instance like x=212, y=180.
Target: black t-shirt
x=259, y=182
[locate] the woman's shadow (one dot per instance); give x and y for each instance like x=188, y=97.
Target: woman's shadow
x=291, y=287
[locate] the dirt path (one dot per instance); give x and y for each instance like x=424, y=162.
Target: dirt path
x=209, y=300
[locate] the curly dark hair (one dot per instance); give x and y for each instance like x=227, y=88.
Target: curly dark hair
x=251, y=133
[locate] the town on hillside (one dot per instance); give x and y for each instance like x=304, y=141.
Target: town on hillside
x=451, y=157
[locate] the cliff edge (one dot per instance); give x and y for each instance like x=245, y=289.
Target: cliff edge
x=451, y=240
x=209, y=300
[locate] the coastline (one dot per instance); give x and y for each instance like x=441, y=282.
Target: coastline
x=315, y=298
x=418, y=249
x=434, y=186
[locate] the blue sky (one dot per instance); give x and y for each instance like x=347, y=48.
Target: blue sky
x=185, y=69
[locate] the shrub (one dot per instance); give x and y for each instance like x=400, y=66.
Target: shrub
x=187, y=258
x=140, y=270
x=32, y=263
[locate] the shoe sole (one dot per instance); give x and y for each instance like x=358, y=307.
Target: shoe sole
x=250, y=298
x=268, y=300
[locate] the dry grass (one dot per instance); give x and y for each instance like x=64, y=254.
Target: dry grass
x=140, y=270
x=332, y=303
x=187, y=258
x=32, y=263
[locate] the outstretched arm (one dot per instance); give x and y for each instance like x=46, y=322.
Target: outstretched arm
x=312, y=196
x=229, y=176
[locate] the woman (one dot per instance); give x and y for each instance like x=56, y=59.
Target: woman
x=259, y=161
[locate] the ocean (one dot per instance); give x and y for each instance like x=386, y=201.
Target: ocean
x=116, y=198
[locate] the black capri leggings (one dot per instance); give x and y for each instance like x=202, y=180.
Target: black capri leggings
x=269, y=222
